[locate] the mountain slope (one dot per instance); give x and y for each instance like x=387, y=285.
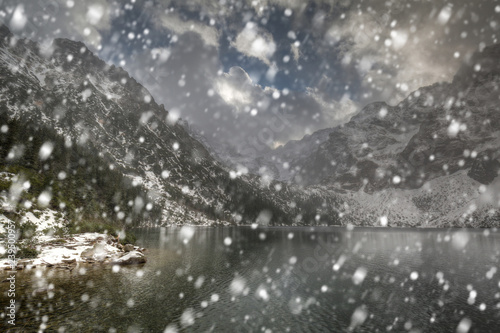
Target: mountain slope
x=42, y=173
x=426, y=161
x=69, y=89
x=436, y=131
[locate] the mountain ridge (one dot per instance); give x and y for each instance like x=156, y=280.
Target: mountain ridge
x=83, y=98
x=382, y=155
x=419, y=108
x=404, y=153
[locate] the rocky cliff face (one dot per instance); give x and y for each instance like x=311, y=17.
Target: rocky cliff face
x=436, y=131
x=438, y=145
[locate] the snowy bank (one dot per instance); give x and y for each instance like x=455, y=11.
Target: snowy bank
x=67, y=252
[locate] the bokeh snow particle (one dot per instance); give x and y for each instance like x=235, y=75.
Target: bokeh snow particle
x=383, y=221
x=19, y=18
x=237, y=286
x=199, y=282
x=359, y=275
x=46, y=150
x=44, y=199
x=464, y=325
x=187, y=317
x=171, y=328
x=453, y=129
x=262, y=293
x=460, y=239
x=186, y=233
x=358, y=317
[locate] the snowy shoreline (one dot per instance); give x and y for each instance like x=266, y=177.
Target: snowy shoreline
x=67, y=252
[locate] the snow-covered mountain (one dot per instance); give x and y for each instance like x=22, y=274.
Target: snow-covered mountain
x=431, y=160
x=67, y=88
x=427, y=160
x=272, y=163
x=436, y=131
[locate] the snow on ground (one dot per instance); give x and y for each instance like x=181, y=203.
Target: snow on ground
x=104, y=86
x=54, y=253
x=47, y=220
x=3, y=221
x=87, y=247
x=53, y=250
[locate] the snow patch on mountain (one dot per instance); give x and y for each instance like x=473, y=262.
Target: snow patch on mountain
x=449, y=201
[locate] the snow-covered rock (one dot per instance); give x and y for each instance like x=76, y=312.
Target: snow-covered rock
x=86, y=247
x=130, y=258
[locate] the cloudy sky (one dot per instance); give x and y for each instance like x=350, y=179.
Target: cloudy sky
x=252, y=74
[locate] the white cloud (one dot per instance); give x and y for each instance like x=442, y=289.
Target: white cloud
x=256, y=42
x=174, y=23
x=88, y=27
x=235, y=87
x=280, y=114
x=161, y=54
x=335, y=112
x=412, y=45
x=230, y=108
x=95, y=13
x=19, y=18
x=392, y=58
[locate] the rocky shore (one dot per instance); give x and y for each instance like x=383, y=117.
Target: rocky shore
x=90, y=248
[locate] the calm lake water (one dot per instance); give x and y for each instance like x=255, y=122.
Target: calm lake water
x=277, y=280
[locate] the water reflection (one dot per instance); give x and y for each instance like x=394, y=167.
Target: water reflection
x=279, y=279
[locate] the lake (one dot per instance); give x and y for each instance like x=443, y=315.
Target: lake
x=277, y=280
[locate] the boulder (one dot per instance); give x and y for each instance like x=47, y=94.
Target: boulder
x=69, y=261
x=484, y=169
x=128, y=248
x=97, y=252
x=130, y=258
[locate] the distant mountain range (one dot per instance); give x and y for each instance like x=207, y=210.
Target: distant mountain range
x=423, y=137
x=426, y=161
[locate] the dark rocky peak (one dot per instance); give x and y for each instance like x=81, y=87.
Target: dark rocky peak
x=7, y=39
x=482, y=66
x=117, y=73
x=485, y=167
x=306, y=140
x=422, y=138
x=428, y=96
x=72, y=54
x=5, y=33
x=70, y=45
x=76, y=57
x=372, y=110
